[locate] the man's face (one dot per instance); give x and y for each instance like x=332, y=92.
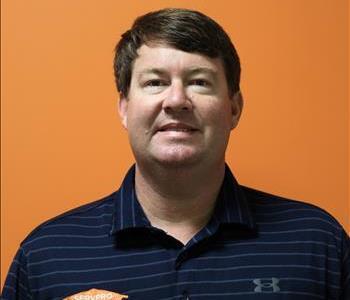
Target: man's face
x=178, y=110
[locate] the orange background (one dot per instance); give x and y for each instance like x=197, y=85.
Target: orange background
x=62, y=142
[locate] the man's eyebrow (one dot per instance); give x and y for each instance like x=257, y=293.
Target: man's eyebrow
x=158, y=71
x=189, y=71
x=198, y=70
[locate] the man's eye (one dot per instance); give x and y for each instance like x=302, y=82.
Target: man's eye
x=199, y=82
x=155, y=83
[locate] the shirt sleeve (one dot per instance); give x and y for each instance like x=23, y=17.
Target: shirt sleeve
x=16, y=283
x=345, y=267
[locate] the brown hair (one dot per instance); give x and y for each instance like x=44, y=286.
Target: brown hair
x=183, y=29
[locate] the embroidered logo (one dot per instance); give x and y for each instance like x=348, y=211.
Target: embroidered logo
x=95, y=294
x=266, y=285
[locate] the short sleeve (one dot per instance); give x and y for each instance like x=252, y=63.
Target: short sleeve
x=345, y=267
x=16, y=283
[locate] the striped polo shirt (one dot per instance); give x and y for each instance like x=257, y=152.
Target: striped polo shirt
x=255, y=246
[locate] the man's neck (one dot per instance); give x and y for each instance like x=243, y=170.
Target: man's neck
x=179, y=201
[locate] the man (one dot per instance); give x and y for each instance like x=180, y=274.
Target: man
x=180, y=226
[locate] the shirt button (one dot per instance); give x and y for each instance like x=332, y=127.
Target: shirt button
x=185, y=295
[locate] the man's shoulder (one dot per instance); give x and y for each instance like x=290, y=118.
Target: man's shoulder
x=91, y=218
x=289, y=214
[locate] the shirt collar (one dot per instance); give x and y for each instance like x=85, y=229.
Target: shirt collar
x=232, y=204
x=231, y=208
x=127, y=209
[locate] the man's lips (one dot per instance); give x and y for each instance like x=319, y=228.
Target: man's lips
x=176, y=127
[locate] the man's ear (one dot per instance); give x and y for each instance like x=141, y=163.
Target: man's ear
x=237, y=107
x=123, y=110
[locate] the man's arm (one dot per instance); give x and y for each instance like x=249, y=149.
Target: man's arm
x=16, y=284
x=345, y=267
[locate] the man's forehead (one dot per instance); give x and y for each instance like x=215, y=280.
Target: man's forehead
x=158, y=59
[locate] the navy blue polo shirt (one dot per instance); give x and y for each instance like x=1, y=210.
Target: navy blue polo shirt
x=255, y=246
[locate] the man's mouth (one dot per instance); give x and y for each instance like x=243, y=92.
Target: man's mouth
x=177, y=127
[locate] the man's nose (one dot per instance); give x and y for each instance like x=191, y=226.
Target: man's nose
x=177, y=99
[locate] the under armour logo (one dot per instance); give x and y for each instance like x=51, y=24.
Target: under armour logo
x=266, y=285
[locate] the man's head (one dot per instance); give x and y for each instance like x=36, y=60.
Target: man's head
x=178, y=77
x=182, y=29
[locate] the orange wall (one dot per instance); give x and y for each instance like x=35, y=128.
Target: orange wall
x=62, y=144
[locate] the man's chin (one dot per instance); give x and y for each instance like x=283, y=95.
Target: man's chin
x=177, y=159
